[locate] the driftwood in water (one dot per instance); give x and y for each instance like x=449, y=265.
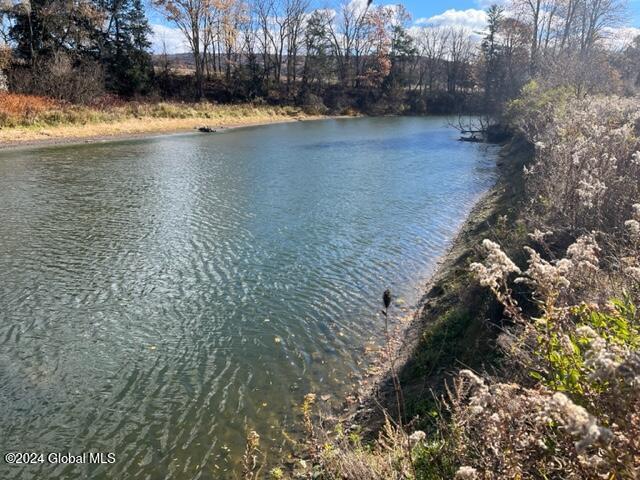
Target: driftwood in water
x=481, y=130
x=473, y=138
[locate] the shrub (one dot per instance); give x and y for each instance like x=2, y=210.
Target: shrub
x=313, y=105
x=18, y=109
x=587, y=157
x=585, y=361
x=61, y=77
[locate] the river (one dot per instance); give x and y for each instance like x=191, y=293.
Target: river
x=159, y=297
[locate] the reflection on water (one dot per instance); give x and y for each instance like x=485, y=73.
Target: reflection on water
x=159, y=297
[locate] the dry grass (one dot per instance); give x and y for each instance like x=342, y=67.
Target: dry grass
x=24, y=107
x=26, y=119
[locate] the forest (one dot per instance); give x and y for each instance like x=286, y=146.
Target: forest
x=354, y=56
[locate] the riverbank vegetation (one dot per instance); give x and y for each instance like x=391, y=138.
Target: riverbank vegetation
x=32, y=111
x=535, y=328
x=29, y=118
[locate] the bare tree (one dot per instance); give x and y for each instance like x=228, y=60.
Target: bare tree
x=539, y=15
x=6, y=10
x=432, y=42
x=211, y=39
x=346, y=31
x=295, y=24
x=265, y=11
x=190, y=18
x=460, y=53
x=232, y=15
x=595, y=17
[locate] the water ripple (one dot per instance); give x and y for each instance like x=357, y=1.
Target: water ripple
x=160, y=297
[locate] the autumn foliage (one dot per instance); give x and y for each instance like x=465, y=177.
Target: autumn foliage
x=19, y=108
x=18, y=104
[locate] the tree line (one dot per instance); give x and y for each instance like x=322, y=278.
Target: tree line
x=354, y=54
x=73, y=50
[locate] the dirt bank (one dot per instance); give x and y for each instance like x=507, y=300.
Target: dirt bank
x=455, y=325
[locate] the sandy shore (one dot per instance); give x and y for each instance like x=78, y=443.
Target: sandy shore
x=131, y=128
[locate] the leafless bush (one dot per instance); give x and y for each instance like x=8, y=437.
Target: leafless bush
x=313, y=105
x=507, y=431
x=61, y=78
x=5, y=60
x=345, y=456
x=586, y=72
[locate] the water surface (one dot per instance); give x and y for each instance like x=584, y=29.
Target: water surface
x=159, y=297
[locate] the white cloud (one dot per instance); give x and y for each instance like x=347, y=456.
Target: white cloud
x=169, y=37
x=358, y=6
x=472, y=19
x=484, y=4
x=620, y=38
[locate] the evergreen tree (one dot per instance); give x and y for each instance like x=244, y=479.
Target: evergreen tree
x=318, y=46
x=125, y=48
x=114, y=33
x=492, y=57
x=403, y=50
x=44, y=28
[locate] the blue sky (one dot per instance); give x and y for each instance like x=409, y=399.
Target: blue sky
x=439, y=12
x=429, y=8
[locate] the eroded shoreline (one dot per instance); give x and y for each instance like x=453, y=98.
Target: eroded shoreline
x=443, y=292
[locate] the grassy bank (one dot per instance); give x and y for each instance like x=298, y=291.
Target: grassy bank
x=456, y=326
x=27, y=119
